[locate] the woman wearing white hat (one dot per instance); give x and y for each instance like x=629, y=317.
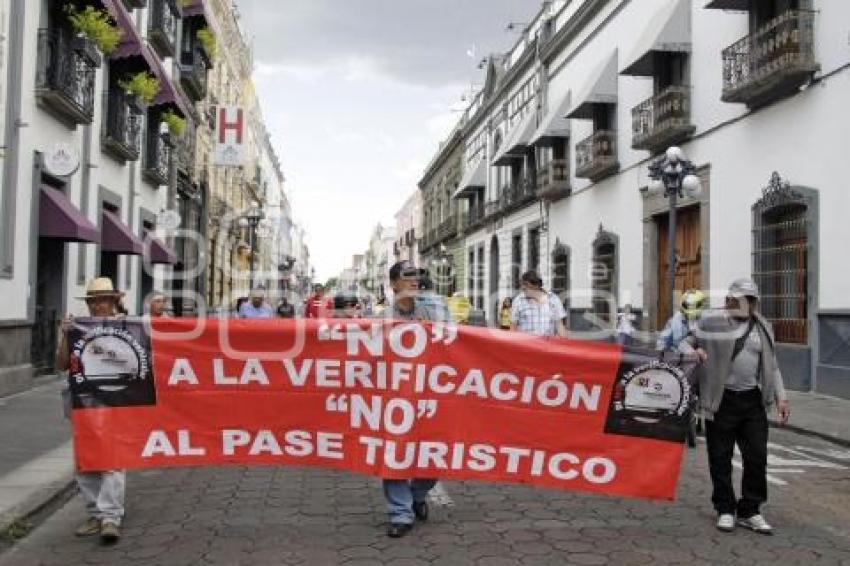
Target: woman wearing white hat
x=103, y=492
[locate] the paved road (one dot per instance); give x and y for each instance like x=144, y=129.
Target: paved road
x=270, y=516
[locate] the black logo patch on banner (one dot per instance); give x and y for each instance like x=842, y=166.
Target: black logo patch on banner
x=651, y=400
x=110, y=365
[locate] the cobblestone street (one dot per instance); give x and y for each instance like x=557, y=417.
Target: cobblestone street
x=266, y=516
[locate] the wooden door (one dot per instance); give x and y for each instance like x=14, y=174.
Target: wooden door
x=688, y=257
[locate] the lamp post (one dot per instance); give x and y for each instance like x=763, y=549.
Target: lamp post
x=673, y=176
x=252, y=219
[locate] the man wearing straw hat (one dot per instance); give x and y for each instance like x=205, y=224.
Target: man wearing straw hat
x=103, y=491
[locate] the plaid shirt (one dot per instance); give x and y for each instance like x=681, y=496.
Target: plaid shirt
x=537, y=318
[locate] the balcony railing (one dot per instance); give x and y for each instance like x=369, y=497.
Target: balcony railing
x=193, y=72
x=475, y=216
x=162, y=31
x=518, y=194
x=596, y=156
x=448, y=228
x=493, y=209
x=184, y=151
x=553, y=180
x=64, y=78
x=156, y=159
x=121, y=126
x=662, y=120
x=772, y=62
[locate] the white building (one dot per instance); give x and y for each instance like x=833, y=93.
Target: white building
x=86, y=171
x=746, y=89
x=408, y=227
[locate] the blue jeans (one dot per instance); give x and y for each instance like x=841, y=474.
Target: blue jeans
x=400, y=496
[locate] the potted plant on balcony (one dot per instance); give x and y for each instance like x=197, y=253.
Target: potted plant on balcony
x=95, y=32
x=176, y=126
x=141, y=88
x=208, y=41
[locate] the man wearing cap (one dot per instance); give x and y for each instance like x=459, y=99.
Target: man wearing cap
x=741, y=382
x=157, y=306
x=257, y=307
x=103, y=491
x=406, y=499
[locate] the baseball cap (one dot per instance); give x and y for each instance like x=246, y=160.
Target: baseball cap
x=743, y=288
x=405, y=268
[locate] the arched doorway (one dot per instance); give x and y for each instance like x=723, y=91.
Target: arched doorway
x=494, y=279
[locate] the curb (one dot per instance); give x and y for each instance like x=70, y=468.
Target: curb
x=40, y=505
x=808, y=432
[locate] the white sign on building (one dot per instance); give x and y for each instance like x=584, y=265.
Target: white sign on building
x=230, y=136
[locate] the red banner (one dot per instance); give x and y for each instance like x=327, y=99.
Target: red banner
x=391, y=399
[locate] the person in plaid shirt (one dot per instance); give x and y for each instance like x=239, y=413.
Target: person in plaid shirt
x=537, y=311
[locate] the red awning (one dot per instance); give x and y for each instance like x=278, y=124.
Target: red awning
x=158, y=252
x=116, y=237
x=59, y=218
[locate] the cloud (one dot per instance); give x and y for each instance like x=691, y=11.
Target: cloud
x=416, y=41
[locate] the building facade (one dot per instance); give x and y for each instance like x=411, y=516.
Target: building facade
x=746, y=89
x=408, y=227
x=88, y=166
x=442, y=249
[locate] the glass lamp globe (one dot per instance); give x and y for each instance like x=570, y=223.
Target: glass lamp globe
x=691, y=185
x=674, y=154
x=655, y=186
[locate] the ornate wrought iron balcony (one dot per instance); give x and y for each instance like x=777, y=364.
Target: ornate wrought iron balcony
x=64, y=78
x=663, y=119
x=184, y=148
x=162, y=30
x=553, y=180
x=157, y=152
x=194, y=65
x=596, y=156
x=772, y=62
x=448, y=228
x=121, y=126
x=474, y=217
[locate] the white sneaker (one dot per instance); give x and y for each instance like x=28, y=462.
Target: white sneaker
x=757, y=524
x=726, y=522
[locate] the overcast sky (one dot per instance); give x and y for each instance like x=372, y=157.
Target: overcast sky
x=357, y=95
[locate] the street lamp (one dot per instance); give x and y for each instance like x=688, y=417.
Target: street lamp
x=252, y=219
x=673, y=176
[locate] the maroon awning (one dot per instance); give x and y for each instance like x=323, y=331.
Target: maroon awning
x=133, y=45
x=195, y=8
x=59, y=218
x=158, y=252
x=116, y=237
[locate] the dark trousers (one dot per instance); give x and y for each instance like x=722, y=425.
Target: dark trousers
x=741, y=419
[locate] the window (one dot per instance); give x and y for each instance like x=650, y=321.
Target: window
x=604, y=275
x=763, y=11
x=780, y=260
x=561, y=273
x=479, y=299
x=516, y=261
x=534, y=250
x=470, y=277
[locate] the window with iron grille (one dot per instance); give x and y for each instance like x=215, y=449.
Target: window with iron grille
x=604, y=274
x=534, y=250
x=561, y=273
x=781, y=260
x=516, y=261
x=470, y=277
x=479, y=300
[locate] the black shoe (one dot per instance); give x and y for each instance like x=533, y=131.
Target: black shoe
x=398, y=530
x=420, y=509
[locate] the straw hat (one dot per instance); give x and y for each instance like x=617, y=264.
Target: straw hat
x=101, y=287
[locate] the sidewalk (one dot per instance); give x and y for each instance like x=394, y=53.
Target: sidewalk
x=820, y=415
x=36, y=455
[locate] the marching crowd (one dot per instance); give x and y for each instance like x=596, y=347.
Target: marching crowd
x=738, y=380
